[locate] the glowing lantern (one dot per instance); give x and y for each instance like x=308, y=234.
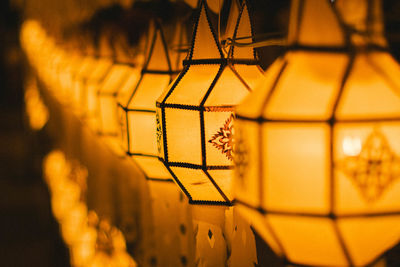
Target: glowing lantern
x=195, y=115
x=57, y=59
x=317, y=152
x=37, y=112
x=95, y=81
x=68, y=72
x=83, y=72
x=108, y=91
x=110, y=248
x=73, y=223
x=137, y=113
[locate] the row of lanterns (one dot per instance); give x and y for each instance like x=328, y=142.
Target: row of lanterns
x=92, y=242
x=315, y=145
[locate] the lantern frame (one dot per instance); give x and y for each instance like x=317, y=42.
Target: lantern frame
x=223, y=63
x=155, y=31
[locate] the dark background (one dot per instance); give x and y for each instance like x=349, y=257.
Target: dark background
x=28, y=233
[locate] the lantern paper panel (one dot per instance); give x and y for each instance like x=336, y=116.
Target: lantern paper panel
x=317, y=154
x=195, y=115
x=137, y=114
x=107, y=93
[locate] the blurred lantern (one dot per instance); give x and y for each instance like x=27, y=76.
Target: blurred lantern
x=73, y=223
x=195, y=115
x=84, y=70
x=68, y=71
x=95, y=80
x=56, y=64
x=137, y=113
x=110, y=248
x=37, y=112
x=108, y=90
x=84, y=247
x=317, y=152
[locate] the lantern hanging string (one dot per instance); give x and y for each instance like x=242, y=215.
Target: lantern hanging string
x=219, y=21
x=266, y=40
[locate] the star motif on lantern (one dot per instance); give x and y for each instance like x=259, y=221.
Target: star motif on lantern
x=223, y=139
x=374, y=169
x=158, y=132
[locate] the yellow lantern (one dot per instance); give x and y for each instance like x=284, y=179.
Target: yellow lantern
x=317, y=149
x=73, y=60
x=195, y=115
x=108, y=91
x=137, y=113
x=88, y=63
x=37, y=111
x=94, y=82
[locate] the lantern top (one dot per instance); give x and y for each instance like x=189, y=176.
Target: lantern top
x=205, y=44
x=157, y=57
x=336, y=25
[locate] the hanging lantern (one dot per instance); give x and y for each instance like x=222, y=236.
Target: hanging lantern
x=95, y=81
x=68, y=72
x=137, y=113
x=195, y=115
x=86, y=67
x=107, y=93
x=317, y=149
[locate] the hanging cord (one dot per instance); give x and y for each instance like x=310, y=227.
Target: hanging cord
x=268, y=40
x=219, y=21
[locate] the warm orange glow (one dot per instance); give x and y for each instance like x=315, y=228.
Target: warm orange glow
x=317, y=147
x=195, y=114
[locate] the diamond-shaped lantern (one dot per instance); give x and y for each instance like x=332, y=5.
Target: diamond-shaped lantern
x=195, y=115
x=137, y=111
x=317, y=148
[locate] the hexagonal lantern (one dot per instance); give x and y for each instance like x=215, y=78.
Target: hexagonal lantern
x=195, y=115
x=317, y=147
x=94, y=81
x=108, y=90
x=137, y=112
x=86, y=67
